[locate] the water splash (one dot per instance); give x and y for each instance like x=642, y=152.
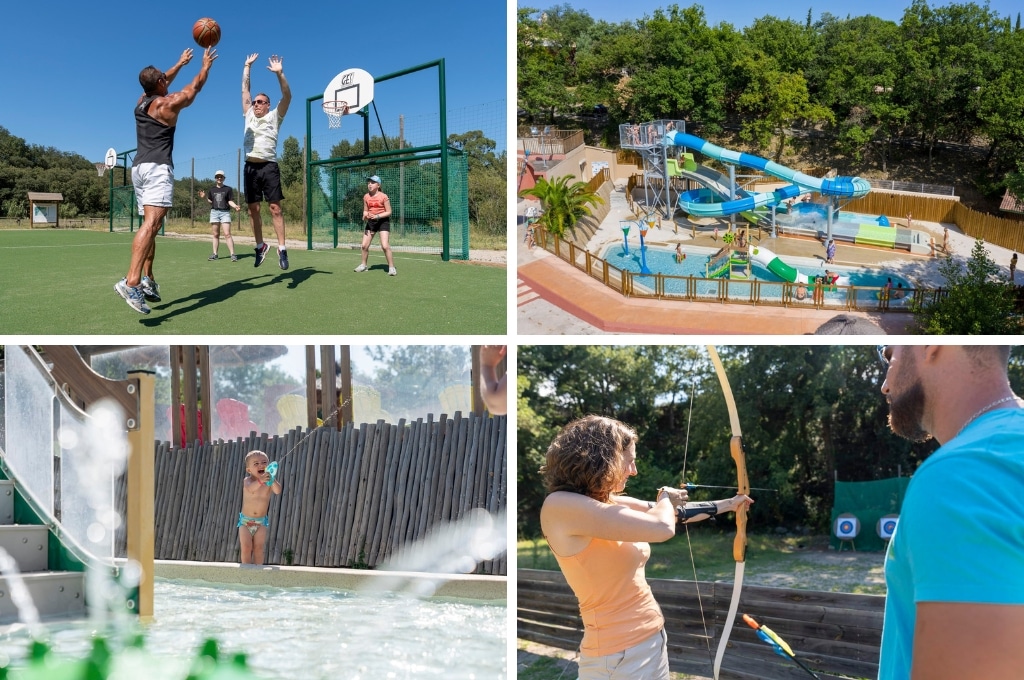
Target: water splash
x=22, y=599
x=449, y=548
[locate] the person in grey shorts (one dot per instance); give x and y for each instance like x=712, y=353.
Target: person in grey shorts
x=222, y=202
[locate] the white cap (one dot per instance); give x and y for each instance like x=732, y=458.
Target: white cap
x=220, y=173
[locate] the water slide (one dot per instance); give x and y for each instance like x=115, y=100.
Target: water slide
x=772, y=263
x=699, y=202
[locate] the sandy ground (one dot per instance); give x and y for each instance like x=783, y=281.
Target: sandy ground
x=537, y=316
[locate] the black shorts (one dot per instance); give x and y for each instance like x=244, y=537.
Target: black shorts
x=262, y=182
x=373, y=226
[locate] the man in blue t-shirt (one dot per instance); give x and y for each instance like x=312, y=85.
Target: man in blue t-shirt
x=954, y=570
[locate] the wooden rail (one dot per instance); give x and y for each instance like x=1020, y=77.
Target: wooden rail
x=351, y=497
x=836, y=634
x=751, y=291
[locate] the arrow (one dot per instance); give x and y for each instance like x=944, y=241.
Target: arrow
x=777, y=643
x=688, y=486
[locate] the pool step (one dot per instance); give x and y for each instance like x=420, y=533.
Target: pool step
x=55, y=594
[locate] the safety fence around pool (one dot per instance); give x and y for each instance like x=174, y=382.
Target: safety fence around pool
x=351, y=497
x=748, y=291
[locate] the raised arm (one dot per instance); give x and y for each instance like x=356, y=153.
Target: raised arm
x=169, y=74
x=277, y=66
x=179, y=100
x=246, y=96
x=566, y=516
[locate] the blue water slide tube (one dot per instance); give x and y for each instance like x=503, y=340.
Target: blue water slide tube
x=844, y=187
x=700, y=202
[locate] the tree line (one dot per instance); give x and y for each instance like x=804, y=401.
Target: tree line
x=953, y=73
x=28, y=167
x=808, y=414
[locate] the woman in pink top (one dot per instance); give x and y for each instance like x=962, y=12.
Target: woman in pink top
x=601, y=541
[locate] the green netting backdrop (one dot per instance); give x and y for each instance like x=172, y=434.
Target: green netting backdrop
x=123, y=213
x=869, y=501
x=414, y=188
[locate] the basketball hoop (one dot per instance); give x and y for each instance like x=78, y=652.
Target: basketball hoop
x=100, y=168
x=335, y=109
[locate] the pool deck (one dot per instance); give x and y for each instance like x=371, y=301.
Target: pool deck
x=555, y=298
x=465, y=586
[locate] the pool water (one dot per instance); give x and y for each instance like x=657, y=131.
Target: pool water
x=663, y=261
x=309, y=634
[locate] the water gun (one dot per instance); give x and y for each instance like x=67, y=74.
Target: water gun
x=272, y=470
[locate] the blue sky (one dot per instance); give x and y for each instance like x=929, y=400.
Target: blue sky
x=741, y=13
x=70, y=76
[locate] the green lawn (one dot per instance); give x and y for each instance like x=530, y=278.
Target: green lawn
x=57, y=282
x=791, y=562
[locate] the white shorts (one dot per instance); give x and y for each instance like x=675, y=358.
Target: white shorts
x=219, y=216
x=154, y=185
x=645, y=661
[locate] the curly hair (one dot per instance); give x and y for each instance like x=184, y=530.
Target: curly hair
x=586, y=457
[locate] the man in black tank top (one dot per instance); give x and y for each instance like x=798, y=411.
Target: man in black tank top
x=156, y=116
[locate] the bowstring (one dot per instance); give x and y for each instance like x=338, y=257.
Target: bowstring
x=686, y=527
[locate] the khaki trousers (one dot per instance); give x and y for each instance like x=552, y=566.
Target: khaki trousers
x=645, y=661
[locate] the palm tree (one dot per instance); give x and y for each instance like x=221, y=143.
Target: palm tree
x=564, y=204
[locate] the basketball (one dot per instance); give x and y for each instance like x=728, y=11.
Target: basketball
x=206, y=32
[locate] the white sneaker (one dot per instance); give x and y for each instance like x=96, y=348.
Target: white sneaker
x=392, y=272
x=132, y=295
x=151, y=289
x=361, y=268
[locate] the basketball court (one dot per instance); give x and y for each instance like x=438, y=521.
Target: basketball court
x=318, y=294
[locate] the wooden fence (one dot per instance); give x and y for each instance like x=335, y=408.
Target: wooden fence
x=350, y=498
x=991, y=228
x=836, y=634
x=747, y=292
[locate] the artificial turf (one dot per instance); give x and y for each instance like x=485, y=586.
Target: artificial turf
x=60, y=282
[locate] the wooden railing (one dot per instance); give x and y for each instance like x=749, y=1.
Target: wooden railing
x=551, y=143
x=835, y=634
x=350, y=498
x=598, y=180
x=750, y=291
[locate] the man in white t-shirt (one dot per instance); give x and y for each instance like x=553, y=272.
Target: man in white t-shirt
x=262, y=175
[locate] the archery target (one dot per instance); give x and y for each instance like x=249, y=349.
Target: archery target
x=887, y=526
x=847, y=526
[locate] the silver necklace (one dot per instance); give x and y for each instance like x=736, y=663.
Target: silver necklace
x=984, y=409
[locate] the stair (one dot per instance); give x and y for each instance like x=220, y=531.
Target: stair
x=56, y=594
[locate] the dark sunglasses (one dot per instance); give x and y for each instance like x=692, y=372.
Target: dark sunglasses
x=884, y=354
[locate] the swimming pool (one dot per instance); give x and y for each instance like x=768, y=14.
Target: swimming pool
x=308, y=633
x=662, y=260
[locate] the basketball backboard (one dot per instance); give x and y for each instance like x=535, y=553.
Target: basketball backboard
x=110, y=160
x=353, y=86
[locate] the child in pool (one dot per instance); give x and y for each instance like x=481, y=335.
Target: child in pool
x=253, y=523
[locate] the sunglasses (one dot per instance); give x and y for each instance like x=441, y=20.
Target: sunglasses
x=261, y=101
x=884, y=354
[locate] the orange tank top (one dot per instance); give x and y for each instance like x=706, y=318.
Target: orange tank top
x=616, y=603
x=375, y=203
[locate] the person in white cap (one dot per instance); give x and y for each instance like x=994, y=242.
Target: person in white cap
x=377, y=213
x=222, y=202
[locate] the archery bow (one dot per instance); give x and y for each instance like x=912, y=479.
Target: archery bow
x=778, y=644
x=739, y=546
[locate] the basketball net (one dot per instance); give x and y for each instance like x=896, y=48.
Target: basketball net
x=335, y=110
